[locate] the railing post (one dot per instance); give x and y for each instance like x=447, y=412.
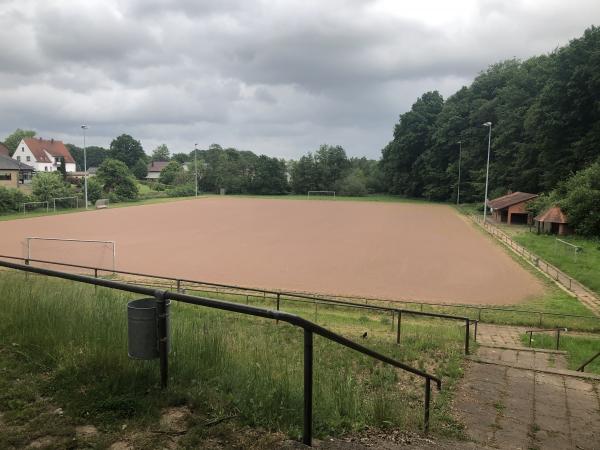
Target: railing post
x=467, y=335
x=392, y=320
x=427, y=402
x=530, y=337
x=308, y=387
x=475, y=334
x=161, y=310
x=278, y=299
x=179, y=286
x=557, y=338
x=399, y=325
x=96, y=276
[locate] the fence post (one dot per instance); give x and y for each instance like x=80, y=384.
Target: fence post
x=392, y=320
x=161, y=309
x=467, y=335
x=278, y=299
x=540, y=321
x=475, y=335
x=179, y=286
x=557, y=338
x=427, y=402
x=530, y=337
x=399, y=325
x=95, y=276
x=308, y=387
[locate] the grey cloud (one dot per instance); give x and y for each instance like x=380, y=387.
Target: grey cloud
x=273, y=77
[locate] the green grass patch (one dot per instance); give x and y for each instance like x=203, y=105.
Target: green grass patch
x=583, y=268
x=579, y=348
x=224, y=364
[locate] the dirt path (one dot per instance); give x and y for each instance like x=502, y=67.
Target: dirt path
x=400, y=251
x=518, y=398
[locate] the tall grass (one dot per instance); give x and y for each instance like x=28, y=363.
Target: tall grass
x=222, y=363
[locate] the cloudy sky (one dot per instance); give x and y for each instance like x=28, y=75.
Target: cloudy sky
x=275, y=77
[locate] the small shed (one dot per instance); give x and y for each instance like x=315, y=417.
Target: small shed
x=511, y=208
x=553, y=221
x=14, y=173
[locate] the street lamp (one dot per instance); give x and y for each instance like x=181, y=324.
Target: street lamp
x=196, y=166
x=85, y=127
x=487, y=170
x=459, y=158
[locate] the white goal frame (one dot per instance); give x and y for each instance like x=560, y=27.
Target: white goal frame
x=576, y=249
x=35, y=203
x=38, y=238
x=65, y=198
x=320, y=192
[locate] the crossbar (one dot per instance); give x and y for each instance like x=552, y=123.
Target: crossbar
x=97, y=241
x=65, y=198
x=35, y=203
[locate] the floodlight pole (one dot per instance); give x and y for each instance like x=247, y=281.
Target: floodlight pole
x=196, y=166
x=459, y=158
x=85, y=127
x=487, y=170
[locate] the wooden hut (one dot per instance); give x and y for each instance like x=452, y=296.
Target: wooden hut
x=512, y=207
x=553, y=221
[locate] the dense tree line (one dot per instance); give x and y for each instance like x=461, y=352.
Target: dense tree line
x=546, y=126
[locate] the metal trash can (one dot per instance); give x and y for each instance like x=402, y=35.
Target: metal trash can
x=142, y=328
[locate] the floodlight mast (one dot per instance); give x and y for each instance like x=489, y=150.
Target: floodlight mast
x=487, y=170
x=459, y=158
x=85, y=187
x=196, y=166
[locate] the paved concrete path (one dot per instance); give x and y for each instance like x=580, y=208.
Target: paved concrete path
x=518, y=398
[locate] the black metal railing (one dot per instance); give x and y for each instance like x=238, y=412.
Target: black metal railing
x=546, y=330
x=309, y=328
x=582, y=367
x=277, y=296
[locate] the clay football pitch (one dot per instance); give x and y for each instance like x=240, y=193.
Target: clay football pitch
x=366, y=249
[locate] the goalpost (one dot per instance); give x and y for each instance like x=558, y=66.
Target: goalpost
x=325, y=193
x=24, y=205
x=111, y=244
x=76, y=203
x=559, y=243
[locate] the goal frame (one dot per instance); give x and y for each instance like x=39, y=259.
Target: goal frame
x=65, y=198
x=39, y=238
x=35, y=203
x=576, y=249
x=320, y=192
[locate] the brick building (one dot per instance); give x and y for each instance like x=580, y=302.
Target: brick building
x=511, y=208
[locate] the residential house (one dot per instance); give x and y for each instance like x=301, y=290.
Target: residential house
x=14, y=173
x=154, y=169
x=44, y=155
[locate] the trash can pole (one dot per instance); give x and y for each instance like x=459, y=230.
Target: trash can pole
x=161, y=312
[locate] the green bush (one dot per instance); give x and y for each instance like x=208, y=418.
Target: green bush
x=354, y=184
x=94, y=189
x=185, y=190
x=11, y=199
x=118, y=181
x=48, y=185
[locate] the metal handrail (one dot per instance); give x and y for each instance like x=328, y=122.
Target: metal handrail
x=309, y=328
x=556, y=330
x=277, y=296
x=582, y=367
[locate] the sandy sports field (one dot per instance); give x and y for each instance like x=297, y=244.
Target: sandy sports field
x=379, y=250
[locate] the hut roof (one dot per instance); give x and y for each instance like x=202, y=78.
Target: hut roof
x=510, y=199
x=553, y=215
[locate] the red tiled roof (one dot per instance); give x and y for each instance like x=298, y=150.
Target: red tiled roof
x=39, y=147
x=157, y=166
x=552, y=215
x=4, y=150
x=510, y=199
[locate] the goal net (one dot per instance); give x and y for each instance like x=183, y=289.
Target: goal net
x=32, y=206
x=65, y=203
x=321, y=194
x=83, y=252
x=562, y=247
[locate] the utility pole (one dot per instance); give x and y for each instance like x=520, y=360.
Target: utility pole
x=459, y=158
x=85, y=127
x=487, y=170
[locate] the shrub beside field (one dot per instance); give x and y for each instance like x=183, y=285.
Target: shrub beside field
x=221, y=364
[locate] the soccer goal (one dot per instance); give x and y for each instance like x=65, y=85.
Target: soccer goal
x=30, y=206
x=102, y=203
x=321, y=193
x=65, y=202
x=83, y=252
x=561, y=246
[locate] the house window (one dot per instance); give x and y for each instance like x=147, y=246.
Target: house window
x=5, y=176
x=46, y=168
x=22, y=149
x=18, y=158
x=28, y=158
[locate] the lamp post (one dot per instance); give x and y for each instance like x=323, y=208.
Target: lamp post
x=196, y=166
x=487, y=170
x=85, y=127
x=459, y=158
